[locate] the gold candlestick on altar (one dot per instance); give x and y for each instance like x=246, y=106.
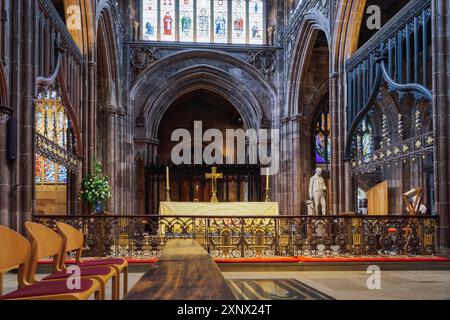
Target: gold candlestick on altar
x=214, y=176
x=167, y=185
x=267, y=186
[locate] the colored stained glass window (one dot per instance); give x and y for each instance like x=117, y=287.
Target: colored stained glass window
x=221, y=21
x=187, y=20
x=203, y=21
x=256, y=19
x=239, y=21
x=49, y=171
x=38, y=169
x=365, y=141
x=62, y=175
x=322, y=139
x=51, y=123
x=149, y=20
x=167, y=20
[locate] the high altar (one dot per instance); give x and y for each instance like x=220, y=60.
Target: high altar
x=211, y=210
x=220, y=209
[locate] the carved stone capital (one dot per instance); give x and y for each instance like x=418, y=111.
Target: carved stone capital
x=143, y=57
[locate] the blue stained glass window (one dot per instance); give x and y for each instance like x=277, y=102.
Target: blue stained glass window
x=49, y=171
x=149, y=19
x=62, y=174
x=256, y=18
x=322, y=141
x=220, y=21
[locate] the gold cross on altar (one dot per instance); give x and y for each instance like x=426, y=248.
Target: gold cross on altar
x=214, y=176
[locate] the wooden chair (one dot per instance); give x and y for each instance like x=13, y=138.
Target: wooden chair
x=15, y=253
x=74, y=241
x=47, y=243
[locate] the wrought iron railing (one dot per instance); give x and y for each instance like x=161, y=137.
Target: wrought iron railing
x=237, y=237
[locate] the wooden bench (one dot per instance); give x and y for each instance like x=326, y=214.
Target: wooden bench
x=185, y=271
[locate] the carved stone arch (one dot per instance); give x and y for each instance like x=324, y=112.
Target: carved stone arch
x=202, y=77
x=239, y=82
x=314, y=23
x=107, y=55
x=345, y=37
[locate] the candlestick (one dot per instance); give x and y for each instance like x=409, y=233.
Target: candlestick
x=267, y=186
x=167, y=185
x=167, y=178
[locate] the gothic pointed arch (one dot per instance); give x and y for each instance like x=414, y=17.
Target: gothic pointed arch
x=313, y=24
x=191, y=70
x=107, y=57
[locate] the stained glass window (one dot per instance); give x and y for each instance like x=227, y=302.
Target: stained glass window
x=322, y=138
x=221, y=21
x=203, y=21
x=256, y=19
x=187, y=20
x=168, y=20
x=239, y=20
x=149, y=20
x=365, y=141
x=51, y=123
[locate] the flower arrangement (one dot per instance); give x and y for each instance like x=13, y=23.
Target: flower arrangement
x=95, y=187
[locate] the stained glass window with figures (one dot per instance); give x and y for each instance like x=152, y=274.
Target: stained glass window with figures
x=220, y=21
x=365, y=141
x=322, y=138
x=52, y=124
x=217, y=21
x=239, y=21
x=186, y=23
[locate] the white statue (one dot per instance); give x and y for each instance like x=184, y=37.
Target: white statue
x=317, y=189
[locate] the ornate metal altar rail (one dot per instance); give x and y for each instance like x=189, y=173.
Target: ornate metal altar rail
x=226, y=237
x=404, y=40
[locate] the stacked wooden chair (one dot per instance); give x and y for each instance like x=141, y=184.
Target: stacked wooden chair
x=47, y=243
x=74, y=242
x=16, y=253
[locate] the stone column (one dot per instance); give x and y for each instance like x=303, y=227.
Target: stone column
x=22, y=96
x=337, y=111
x=5, y=177
x=441, y=112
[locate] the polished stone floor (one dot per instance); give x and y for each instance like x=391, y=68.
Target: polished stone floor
x=307, y=285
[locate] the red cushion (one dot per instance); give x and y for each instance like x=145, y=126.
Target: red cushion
x=98, y=271
x=102, y=262
x=47, y=289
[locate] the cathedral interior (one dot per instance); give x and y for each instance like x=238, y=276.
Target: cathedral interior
x=355, y=95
